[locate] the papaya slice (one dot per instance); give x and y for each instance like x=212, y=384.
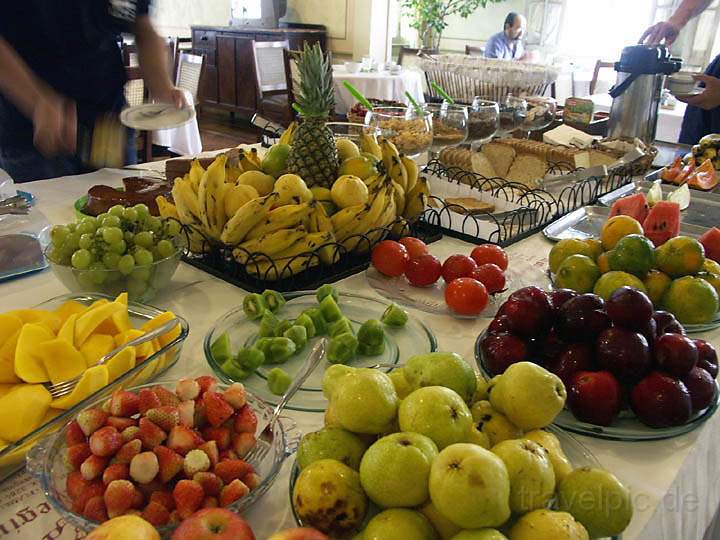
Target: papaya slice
x=92, y=380
x=29, y=364
x=62, y=361
x=705, y=177
x=22, y=410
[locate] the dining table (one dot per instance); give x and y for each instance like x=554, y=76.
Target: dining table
x=675, y=483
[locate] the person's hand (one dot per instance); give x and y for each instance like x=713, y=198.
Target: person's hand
x=709, y=98
x=173, y=95
x=665, y=30
x=55, y=125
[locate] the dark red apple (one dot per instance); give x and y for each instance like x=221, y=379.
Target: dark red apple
x=707, y=357
x=499, y=325
x=529, y=312
x=660, y=400
x=675, y=354
x=550, y=347
x=503, y=350
x=667, y=323
x=650, y=332
x=573, y=358
x=629, y=308
x=624, y=353
x=701, y=386
x=214, y=524
x=558, y=297
x=582, y=318
x=594, y=397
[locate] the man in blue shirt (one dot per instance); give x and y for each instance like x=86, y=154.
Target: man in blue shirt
x=508, y=45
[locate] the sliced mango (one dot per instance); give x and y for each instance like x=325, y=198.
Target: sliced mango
x=92, y=380
x=89, y=321
x=143, y=350
x=121, y=320
x=67, y=330
x=62, y=361
x=22, y=410
x=5, y=388
x=98, y=303
x=51, y=414
x=7, y=360
x=95, y=347
x=39, y=316
x=121, y=363
x=122, y=298
x=71, y=307
x=29, y=365
x=159, y=321
x=9, y=326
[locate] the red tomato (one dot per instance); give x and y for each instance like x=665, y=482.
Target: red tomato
x=414, y=246
x=423, y=271
x=491, y=276
x=457, y=266
x=390, y=258
x=490, y=254
x=466, y=296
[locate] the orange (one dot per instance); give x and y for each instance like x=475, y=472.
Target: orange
x=680, y=256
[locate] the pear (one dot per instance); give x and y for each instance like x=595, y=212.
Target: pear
x=529, y=395
x=442, y=369
x=402, y=386
x=445, y=528
x=331, y=443
x=437, y=412
x=481, y=388
x=478, y=437
x=263, y=183
x=292, y=190
x=558, y=459
x=359, y=166
x=532, y=480
x=332, y=375
x=237, y=196
x=346, y=149
x=480, y=534
x=349, y=190
x=399, y=524
x=493, y=424
x=275, y=160
x=548, y=525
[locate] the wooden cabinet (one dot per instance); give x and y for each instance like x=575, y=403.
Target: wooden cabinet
x=228, y=79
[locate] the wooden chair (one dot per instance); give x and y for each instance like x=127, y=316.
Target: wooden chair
x=136, y=94
x=272, y=88
x=189, y=72
x=474, y=51
x=596, y=73
x=408, y=56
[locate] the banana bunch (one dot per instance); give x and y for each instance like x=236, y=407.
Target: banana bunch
x=369, y=144
x=288, y=134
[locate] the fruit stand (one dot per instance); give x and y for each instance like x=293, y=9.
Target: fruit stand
x=672, y=481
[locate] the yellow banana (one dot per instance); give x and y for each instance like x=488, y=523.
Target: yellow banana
x=195, y=175
x=255, y=158
x=288, y=216
x=399, y=197
x=401, y=227
x=270, y=244
x=413, y=171
x=374, y=180
x=232, y=173
x=166, y=208
x=246, y=163
x=397, y=171
x=212, y=208
x=351, y=236
x=246, y=218
x=186, y=202
x=416, y=200
x=388, y=151
x=319, y=220
x=288, y=134
x=197, y=241
x=280, y=268
x=377, y=229
x=369, y=144
x=309, y=243
x=343, y=217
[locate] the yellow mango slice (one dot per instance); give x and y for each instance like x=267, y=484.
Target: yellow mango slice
x=67, y=330
x=7, y=360
x=88, y=322
x=29, y=364
x=159, y=321
x=95, y=347
x=91, y=381
x=122, y=298
x=121, y=320
x=9, y=326
x=51, y=414
x=98, y=303
x=22, y=410
x=143, y=350
x=39, y=316
x=62, y=361
x=71, y=307
x=121, y=363
x=5, y=388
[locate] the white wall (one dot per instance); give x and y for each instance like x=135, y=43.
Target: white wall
x=174, y=17
x=478, y=27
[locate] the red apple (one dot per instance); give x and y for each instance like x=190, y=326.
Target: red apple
x=550, y=347
x=214, y=524
x=559, y=296
x=582, y=318
x=573, y=358
x=299, y=533
x=503, y=350
x=624, y=353
x=629, y=308
x=499, y=325
x=667, y=323
x=660, y=400
x=675, y=354
x=594, y=397
x=701, y=386
x=707, y=357
x=529, y=312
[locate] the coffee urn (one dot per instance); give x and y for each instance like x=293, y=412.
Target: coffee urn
x=636, y=95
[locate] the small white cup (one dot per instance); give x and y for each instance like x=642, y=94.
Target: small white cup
x=352, y=67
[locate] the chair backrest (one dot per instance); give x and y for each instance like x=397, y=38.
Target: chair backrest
x=135, y=93
x=189, y=72
x=596, y=73
x=408, y=56
x=129, y=54
x=474, y=51
x=270, y=65
x=292, y=75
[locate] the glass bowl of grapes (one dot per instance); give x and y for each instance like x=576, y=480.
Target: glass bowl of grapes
x=123, y=250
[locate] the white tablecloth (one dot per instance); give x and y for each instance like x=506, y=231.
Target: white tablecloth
x=184, y=140
x=669, y=120
x=379, y=85
x=675, y=483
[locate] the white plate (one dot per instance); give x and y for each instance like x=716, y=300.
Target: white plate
x=154, y=116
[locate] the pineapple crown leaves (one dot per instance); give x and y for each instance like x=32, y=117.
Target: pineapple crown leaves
x=317, y=93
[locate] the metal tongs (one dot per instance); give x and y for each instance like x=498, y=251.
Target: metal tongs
x=16, y=205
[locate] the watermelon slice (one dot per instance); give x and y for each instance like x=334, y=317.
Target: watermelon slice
x=711, y=242
x=662, y=222
x=635, y=206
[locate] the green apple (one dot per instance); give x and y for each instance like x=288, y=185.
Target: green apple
x=331, y=443
x=437, y=412
x=329, y=497
x=493, y=424
x=529, y=395
x=442, y=369
x=399, y=524
x=470, y=486
x=402, y=386
x=480, y=534
x=548, y=525
x=532, y=480
x=598, y=500
x=445, y=528
x=558, y=459
x=395, y=470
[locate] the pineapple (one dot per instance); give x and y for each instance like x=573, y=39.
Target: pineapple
x=314, y=155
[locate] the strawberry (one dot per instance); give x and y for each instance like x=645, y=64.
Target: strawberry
x=76, y=454
x=217, y=409
x=166, y=417
x=138, y=500
x=127, y=451
x=174, y=517
x=187, y=389
x=147, y=399
x=221, y=436
x=187, y=413
x=188, y=496
x=210, y=483
x=165, y=396
x=234, y=491
x=245, y=420
x=105, y=407
x=209, y=502
x=119, y=496
x=227, y=454
x=170, y=463
x=116, y=471
x=251, y=480
x=207, y=384
x=152, y=486
x=74, y=434
x=183, y=439
x=91, y=420
x=210, y=448
x=200, y=415
x=164, y=498
x=195, y=461
x=106, y=441
x=133, y=512
x=235, y=395
x=243, y=443
x=144, y=467
x=75, y=484
x=232, y=469
x=93, y=467
x=150, y=434
x=130, y=433
x=124, y=403
x=120, y=422
x=156, y=514
x=92, y=489
x=95, y=509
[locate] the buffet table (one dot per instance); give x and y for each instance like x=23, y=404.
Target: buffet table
x=675, y=483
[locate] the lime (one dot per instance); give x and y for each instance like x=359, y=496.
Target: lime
x=616, y=227
x=577, y=272
x=692, y=300
x=656, y=283
x=712, y=279
x=680, y=256
x=634, y=254
x=612, y=281
x=564, y=248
